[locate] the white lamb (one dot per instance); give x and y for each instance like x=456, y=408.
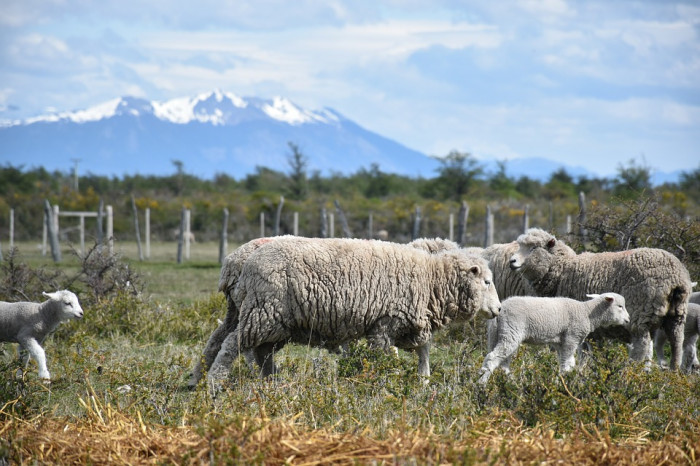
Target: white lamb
x=29, y=323
x=689, y=362
x=561, y=322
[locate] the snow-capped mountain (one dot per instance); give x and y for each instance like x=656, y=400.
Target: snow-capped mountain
x=220, y=132
x=215, y=132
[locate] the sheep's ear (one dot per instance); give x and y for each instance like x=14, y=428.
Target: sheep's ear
x=694, y=284
x=609, y=299
x=475, y=269
x=551, y=243
x=48, y=295
x=592, y=296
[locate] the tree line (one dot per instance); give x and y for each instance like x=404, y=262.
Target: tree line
x=389, y=198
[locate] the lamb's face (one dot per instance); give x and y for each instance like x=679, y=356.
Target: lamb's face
x=70, y=307
x=616, y=312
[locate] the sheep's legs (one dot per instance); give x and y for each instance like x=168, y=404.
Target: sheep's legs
x=221, y=367
x=209, y=354
x=674, y=326
x=659, y=342
x=690, y=354
x=37, y=353
x=424, y=360
x=641, y=347
x=567, y=357
x=264, y=357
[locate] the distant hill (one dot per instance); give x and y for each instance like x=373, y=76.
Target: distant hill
x=218, y=132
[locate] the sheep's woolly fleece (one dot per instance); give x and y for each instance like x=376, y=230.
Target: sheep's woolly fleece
x=333, y=291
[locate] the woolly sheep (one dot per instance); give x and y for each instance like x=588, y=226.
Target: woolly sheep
x=230, y=272
x=561, y=322
x=655, y=284
x=328, y=292
x=690, y=361
x=29, y=323
x=508, y=282
x=695, y=297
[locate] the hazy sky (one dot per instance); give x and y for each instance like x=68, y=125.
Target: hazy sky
x=592, y=83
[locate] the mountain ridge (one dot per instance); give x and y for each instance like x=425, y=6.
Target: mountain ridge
x=221, y=132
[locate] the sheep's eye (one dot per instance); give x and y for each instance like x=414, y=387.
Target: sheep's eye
x=68, y=304
x=488, y=282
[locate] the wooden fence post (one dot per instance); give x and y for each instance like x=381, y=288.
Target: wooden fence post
x=223, y=239
x=526, y=218
x=370, y=233
x=181, y=236
x=136, y=227
x=416, y=224
x=188, y=233
x=278, y=216
x=582, y=217
x=488, y=237
x=262, y=224
x=451, y=227
x=331, y=224
x=296, y=223
x=100, y=217
x=12, y=229
x=147, y=233
x=324, y=222
x=343, y=221
x=44, y=237
x=110, y=229
x=52, y=231
x=462, y=223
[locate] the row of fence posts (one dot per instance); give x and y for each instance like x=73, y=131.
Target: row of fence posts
x=327, y=223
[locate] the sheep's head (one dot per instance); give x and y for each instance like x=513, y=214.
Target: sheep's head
x=477, y=292
x=613, y=309
x=69, y=305
x=536, y=244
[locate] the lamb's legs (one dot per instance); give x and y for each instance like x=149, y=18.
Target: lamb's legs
x=500, y=354
x=37, y=353
x=566, y=353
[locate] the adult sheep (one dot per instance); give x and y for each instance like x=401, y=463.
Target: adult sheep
x=655, y=284
x=508, y=282
x=690, y=361
x=328, y=292
x=560, y=322
x=695, y=297
x=28, y=324
x=228, y=278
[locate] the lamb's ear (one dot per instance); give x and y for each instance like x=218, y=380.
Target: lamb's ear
x=609, y=299
x=475, y=269
x=551, y=243
x=592, y=296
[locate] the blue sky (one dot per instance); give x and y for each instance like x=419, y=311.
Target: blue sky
x=589, y=83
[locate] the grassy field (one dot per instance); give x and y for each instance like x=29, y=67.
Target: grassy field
x=118, y=396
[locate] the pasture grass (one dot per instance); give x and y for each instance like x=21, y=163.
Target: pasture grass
x=118, y=396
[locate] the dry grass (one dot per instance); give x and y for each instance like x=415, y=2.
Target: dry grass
x=106, y=436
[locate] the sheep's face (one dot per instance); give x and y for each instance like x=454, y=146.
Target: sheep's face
x=490, y=304
x=615, y=312
x=70, y=307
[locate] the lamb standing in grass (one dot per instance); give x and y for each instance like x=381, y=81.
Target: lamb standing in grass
x=655, y=284
x=328, y=292
x=29, y=323
x=690, y=361
x=561, y=322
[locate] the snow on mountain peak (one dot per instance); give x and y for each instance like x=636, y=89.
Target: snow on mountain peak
x=284, y=110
